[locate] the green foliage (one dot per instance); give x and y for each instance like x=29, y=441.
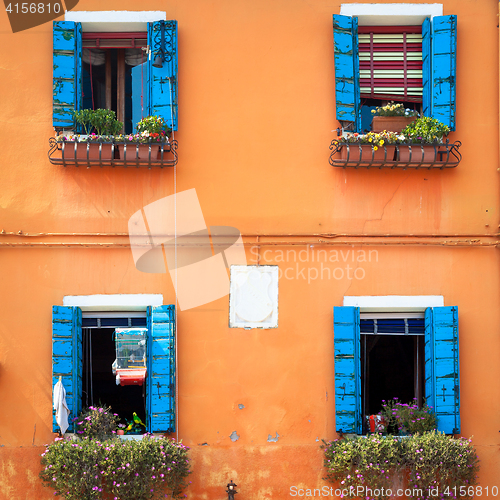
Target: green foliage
x=408, y=418
x=393, y=109
x=102, y=120
x=89, y=469
x=426, y=130
x=97, y=423
x=83, y=117
x=428, y=460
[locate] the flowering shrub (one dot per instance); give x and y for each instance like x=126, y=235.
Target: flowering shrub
x=97, y=423
x=430, y=460
x=152, y=125
x=89, y=469
x=392, y=109
x=408, y=418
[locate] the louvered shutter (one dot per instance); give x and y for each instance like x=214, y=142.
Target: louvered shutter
x=345, y=47
x=390, y=62
x=443, y=88
x=161, y=369
x=426, y=67
x=163, y=81
x=67, y=74
x=347, y=369
x=67, y=361
x=442, y=384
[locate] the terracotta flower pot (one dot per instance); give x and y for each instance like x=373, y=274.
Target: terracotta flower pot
x=391, y=123
x=367, y=153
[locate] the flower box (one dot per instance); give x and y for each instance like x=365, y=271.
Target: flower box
x=425, y=153
x=367, y=152
x=391, y=123
x=81, y=150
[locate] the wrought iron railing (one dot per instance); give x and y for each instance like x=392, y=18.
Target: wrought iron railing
x=408, y=155
x=115, y=154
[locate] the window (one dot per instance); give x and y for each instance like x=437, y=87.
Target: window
x=436, y=361
x=438, y=60
x=111, y=70
x=72, y=349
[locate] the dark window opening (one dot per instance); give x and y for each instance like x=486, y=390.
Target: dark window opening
x=392, y=363
x=99, y=383
x=109, y=80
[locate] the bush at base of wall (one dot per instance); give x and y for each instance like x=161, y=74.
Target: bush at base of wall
x=429, y=463
x=89, y=469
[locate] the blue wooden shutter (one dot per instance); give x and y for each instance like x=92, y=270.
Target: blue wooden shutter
x=163, y=81
x=443, y=89
x=67, y=74
x=426, y=67
x=442, y=384
x=345, y=48
x=161, y=369
x=347, y=369
x=67, y=361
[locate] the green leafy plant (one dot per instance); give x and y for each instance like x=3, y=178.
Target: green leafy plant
x=431, y=461
x=393, y=109
x=104, y=122
x=97, y=422
x=426, y=130
x=88, y=469
x=83, y=118
x=408, y=418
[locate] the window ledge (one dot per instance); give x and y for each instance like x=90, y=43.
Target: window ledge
x=114, y=154
x=405, y=156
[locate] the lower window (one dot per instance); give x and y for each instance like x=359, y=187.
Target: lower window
x=83, y=354
x=380, y=358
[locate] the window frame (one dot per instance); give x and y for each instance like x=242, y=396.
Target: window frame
x=438, y=46
x=67, y=66
x=441, y=367
x=67, y=363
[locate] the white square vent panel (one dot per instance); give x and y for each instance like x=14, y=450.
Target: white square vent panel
x=253, y=297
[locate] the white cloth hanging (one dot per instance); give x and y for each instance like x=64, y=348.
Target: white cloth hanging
x=62, y=410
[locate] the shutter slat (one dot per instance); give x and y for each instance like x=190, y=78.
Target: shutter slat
x=67, y=360
x=442, y=380
x=161, y=369
x=347, y=369
x=444, y=46
x=345, y=43
x=163, y=86
x=66, y=72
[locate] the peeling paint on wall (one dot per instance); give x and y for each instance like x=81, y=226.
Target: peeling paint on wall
x=234, y=436
x=271, y=439
x=241, y=407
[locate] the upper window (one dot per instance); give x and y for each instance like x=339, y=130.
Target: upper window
x=132, y=73
x=408, y=64
x=83, y=355
x=405, y=357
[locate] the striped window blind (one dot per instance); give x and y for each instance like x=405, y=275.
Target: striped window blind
x=390, y=62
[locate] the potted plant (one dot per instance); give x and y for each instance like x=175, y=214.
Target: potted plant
x=368, y=147
x=95, y=145
x=150, y=130
x=393, y=117
x=424, y=136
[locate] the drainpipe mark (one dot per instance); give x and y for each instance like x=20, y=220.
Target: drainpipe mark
x=234, y=437
x=241, y=407
x=271, y=439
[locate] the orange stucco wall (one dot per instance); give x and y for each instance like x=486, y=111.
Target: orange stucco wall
x=256, y=114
